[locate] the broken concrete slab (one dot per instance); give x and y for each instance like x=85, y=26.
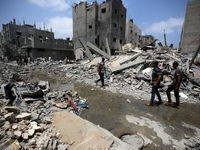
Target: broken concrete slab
x=126, y=66
x=90, y=135
x=131, y=58
x=87, y=51
x=99, y=51
x=23, y=116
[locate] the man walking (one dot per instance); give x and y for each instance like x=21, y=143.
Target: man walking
x=156, y=78
x=101, y=71
x=175, y=86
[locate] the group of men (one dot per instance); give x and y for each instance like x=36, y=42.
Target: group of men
x=175, y=85
x=156, y=79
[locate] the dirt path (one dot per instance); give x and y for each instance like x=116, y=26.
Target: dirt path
x=162, y=127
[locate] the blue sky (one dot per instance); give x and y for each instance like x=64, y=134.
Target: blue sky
x=151, y=16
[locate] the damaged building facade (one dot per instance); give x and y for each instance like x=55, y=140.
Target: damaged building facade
x=133, y=33
x=190, y=36
x=27, y=41
x=97, y=23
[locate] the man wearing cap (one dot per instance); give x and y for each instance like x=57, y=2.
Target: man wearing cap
x=174, y=86
x=101, y=71
x=156, y=78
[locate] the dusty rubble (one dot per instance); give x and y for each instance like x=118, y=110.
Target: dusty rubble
x=24, y=125
x=129, y=73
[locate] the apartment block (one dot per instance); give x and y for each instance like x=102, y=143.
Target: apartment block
x=32, y=42
x=133, y=33
x=96, y=22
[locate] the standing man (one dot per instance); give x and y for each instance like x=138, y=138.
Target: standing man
x=175, y=86
x=156, y=78
x=101, y=71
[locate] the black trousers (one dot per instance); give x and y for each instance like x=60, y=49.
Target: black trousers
x=101, y=79
x=176, y=94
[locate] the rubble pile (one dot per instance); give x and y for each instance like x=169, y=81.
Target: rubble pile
x=27, y=109
x=132, y=75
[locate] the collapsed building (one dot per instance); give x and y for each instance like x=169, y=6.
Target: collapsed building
x=26, y=40
x=104, y=25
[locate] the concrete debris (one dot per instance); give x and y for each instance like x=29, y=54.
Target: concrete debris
x=27, y=108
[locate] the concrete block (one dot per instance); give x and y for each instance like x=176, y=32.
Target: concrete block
x=25, y=136
x=126, y=66
x=15, y=126
x=18, y=133
x=99, y=51
x=131, y=59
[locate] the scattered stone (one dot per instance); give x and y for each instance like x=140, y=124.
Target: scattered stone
x=10, y=134
x=32, y=141
x=34, y=116
x=18, y=133
x=25, y=136
x=14, y=127
x=31, y=132
x=6, y=126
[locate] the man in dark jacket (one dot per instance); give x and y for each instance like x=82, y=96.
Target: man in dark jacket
x=156, y=78
x=175, y=85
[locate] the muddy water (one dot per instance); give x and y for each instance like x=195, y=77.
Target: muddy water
x=158, y=124
x=110, y=111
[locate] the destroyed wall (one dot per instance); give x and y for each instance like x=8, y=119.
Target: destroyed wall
x=133, y=33
x=79, y=24
x=11, y=31
x=94, y=23
x=190, y=36
x=34, y=43
x=147, y=39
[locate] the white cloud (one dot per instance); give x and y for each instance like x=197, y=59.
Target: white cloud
x=170, y=26
x=57, y=5
x=61, y=26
